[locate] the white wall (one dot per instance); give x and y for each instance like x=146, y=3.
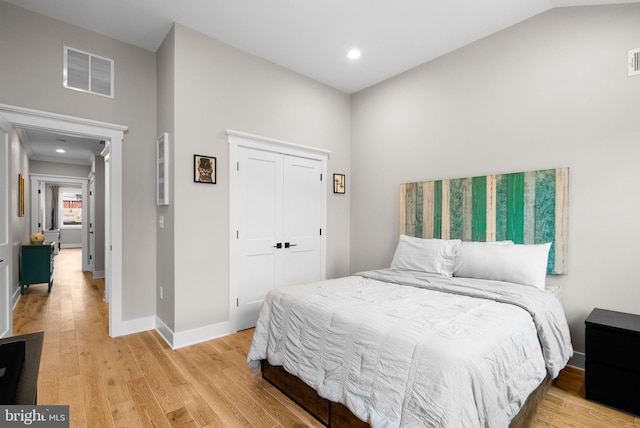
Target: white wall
x=217, y=88
x=549, y=92
x=31, y=49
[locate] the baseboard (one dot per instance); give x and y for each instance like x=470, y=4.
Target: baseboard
x=135, y=326
x=577, y=360
x=191, y=337
x=70, y=245
x=164, y=331
x=98, y=274
x=15, y=297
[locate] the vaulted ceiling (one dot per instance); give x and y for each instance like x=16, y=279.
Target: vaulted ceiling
x=311, y=37
x=306, y=36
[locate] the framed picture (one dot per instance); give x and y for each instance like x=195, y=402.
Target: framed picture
x=20, y=195
x=163, y=169
x=204, y=169
x=338, y=183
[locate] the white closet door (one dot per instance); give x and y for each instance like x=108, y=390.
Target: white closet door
x=302, y=218
x=260, y=208
x=280, y=221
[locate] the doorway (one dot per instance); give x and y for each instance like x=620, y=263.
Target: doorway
x=113, y=135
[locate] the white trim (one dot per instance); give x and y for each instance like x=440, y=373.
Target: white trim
x=136, y=325
x=75, y=245
x=164, y=331
x=98, y=274
x=191, y=337
x=114, y=135
x=36, y=181
x=6, y=247
x=278, y=146
x=238, y=139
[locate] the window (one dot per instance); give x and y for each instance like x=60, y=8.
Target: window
x=71, y=201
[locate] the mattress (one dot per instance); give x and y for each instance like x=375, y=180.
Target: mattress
x=408, y=349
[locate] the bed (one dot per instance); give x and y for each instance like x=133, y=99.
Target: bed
x=452, y=334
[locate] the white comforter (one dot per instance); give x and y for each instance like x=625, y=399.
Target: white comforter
x=416, y=350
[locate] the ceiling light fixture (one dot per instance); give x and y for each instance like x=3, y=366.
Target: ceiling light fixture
x=353, y=54
x=60, y=150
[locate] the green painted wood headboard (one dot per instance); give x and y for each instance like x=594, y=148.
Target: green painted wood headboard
x=524, y=207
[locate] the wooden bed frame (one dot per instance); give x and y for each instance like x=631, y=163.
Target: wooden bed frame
x=337, y=415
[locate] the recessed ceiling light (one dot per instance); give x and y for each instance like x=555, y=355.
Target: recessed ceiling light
x=60, y=150
x=353, y=54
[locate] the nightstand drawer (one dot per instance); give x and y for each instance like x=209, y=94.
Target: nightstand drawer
x=612, y=386
x=614, y=348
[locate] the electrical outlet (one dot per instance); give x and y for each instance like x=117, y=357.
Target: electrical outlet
x=161, y=222
x=161, y=296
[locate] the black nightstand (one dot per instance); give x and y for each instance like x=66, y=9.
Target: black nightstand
x=612, y=370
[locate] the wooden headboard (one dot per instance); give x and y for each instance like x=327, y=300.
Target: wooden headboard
x=524, y=207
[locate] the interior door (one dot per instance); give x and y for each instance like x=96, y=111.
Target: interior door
x=302, y=217
x=6, y=256
x=280, y=218
x=260, y=207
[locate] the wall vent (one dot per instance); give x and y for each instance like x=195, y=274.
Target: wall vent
x=87, y=72
x=634, y=62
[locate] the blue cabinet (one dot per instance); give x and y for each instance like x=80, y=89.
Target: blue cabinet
x=36, y=265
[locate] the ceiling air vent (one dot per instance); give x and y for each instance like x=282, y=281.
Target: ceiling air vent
x=634, y=62
x=87, y=72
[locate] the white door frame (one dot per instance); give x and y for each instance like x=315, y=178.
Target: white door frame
x=6, y=251
x=36, y=181
x=242, y=139
x=113, y=135
x=91, y=242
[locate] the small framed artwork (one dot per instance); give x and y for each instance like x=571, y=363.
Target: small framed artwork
x=20, y=195
x=338, y=183
x=204, y=168
x=163, y=169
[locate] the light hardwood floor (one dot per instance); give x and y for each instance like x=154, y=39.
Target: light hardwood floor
x=138, y=381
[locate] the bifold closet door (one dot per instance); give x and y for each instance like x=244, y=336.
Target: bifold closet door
x=280, y=226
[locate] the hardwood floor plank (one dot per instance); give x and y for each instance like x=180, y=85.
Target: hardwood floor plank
x=181, y=418
x=198, y=406
x=154, y=376
x=125, y=415
x=69, y=354
x=125, y=359
x=69, y=388
x=145, y=405
x=138, y=381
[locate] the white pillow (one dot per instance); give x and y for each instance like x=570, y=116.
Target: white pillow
x=425, y=255
x=521, y=264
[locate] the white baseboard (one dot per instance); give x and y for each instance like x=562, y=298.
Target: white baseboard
x=98, y=274
x=70, y=245
x=15, y=297
x=191, y=337
x=135, y=326
x=164, y=331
